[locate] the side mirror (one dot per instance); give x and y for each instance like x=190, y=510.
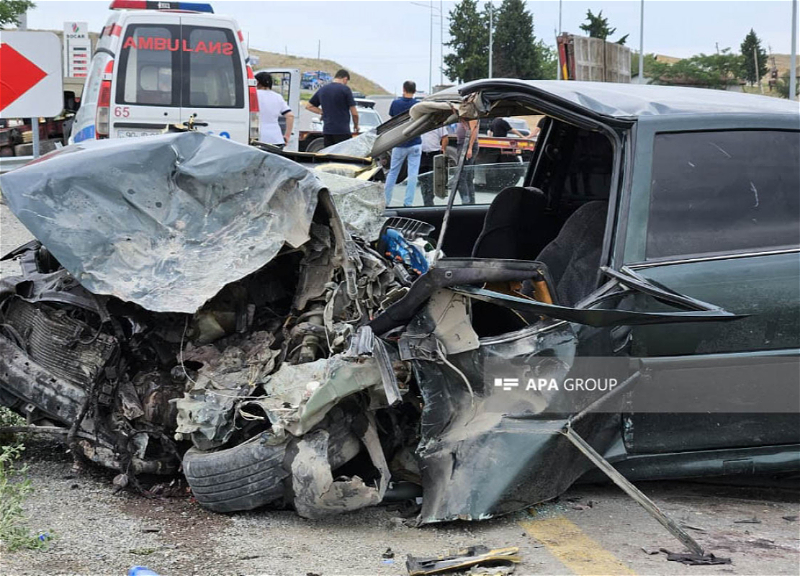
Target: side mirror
x=440, y=176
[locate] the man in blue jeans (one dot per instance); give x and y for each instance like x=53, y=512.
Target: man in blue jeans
x=411, y=150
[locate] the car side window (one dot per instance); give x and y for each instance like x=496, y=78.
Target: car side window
x=723, y=191
x=502, y=161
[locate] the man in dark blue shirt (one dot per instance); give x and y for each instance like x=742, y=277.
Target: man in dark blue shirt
x=411, y=150
x=335, y=103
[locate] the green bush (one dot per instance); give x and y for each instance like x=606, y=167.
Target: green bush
x=9, y=418
x=14, y=488
x=782, y=86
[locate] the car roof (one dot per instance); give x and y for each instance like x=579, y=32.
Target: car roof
x=635, y=100
x=117, y=16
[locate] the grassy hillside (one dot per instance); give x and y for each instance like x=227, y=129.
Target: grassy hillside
x=275, y=60
x=782, y=62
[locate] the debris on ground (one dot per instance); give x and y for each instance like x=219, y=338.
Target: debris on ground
x=695, y=559
x=454, y=560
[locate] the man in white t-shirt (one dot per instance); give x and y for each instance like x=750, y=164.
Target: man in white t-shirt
x=271, y=106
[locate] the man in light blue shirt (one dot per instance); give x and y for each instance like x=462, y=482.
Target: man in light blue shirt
x=411, y=150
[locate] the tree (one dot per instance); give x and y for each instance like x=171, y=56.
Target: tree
x=11, y=10
x=469, y=33
x=649, y=61
x=515, y=51
x=782, y=86
x=548, y=58
x=597, y=27
x=750, y=47
x=704, y=71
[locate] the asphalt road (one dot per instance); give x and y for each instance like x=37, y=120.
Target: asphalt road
x=12, y=234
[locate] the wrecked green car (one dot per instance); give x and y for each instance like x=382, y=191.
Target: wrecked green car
x=206, y=307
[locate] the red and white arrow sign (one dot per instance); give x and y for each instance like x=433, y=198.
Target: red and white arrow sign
x=30, y=75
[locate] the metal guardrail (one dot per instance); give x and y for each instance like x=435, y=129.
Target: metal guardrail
x=9, y=163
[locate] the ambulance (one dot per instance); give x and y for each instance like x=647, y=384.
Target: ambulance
x=162, y=63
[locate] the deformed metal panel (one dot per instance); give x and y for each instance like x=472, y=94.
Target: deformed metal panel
x=165, y=221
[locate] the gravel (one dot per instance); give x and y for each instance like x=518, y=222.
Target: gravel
x=100, y=531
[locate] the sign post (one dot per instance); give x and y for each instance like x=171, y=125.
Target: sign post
x=31, y=82
x=77, y=49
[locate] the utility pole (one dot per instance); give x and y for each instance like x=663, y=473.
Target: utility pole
x=491, y=25
x=441, y=42
x=430, y=55
x=558, y=58
x=641, y=45
x=758, y=76
x=793, y=59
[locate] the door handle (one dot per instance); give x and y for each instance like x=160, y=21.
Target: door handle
x=191, y=122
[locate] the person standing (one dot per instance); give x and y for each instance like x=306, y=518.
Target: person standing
x=411, y=150
x=433, y=143
x=500, y=128
x=271, y=106
x=335, y=103
x=467, y=135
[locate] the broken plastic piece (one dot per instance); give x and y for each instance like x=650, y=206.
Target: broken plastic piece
x=461, y=559
x=696, y=559
x=317, y=493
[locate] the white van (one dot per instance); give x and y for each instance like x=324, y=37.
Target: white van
x=161, y=63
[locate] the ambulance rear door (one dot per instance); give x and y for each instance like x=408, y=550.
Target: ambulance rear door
x=146, y=94
x=214, y=79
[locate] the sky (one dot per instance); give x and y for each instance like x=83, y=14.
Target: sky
x=390, y=41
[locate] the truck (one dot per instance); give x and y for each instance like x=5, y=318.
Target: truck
x=593, y=59
x=16, y=134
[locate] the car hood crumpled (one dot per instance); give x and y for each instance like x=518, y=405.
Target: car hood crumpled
x=165, y=221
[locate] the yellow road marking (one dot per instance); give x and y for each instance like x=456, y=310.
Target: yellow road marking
x=574, y=548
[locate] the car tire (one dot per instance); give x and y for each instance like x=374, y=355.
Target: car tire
x=316, y=145
x=252, y=474
x=240, y=478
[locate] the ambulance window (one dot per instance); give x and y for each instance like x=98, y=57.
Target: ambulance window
x=147, y=60
x=215, y=68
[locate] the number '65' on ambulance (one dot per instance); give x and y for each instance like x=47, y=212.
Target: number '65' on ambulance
x=162, y=63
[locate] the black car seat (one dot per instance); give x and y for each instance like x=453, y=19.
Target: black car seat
x=573, y=258
x=513, y=228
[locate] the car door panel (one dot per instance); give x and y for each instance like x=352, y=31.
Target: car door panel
x=146, y=79
x=715, y=200
x=214, y=85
